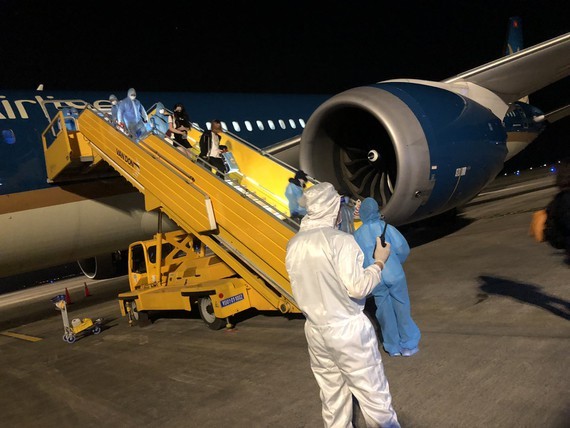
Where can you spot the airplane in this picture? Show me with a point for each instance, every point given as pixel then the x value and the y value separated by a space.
pixel 419 147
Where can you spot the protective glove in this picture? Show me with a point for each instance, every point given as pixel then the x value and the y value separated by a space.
pixel 381 253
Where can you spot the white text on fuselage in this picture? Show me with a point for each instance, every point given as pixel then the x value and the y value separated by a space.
pixel 18 109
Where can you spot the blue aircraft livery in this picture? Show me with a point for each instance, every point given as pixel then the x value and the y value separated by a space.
pixel 419 147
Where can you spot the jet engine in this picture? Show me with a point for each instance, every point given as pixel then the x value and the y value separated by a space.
pixel 102 266
pixel 419 150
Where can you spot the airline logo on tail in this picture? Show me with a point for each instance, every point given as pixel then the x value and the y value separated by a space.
pixel 514 36
pixel 515 41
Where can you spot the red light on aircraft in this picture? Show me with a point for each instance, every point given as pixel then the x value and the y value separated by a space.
pixel 221 295
pixel 516 24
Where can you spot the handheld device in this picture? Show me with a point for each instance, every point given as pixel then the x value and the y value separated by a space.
pixel 383 235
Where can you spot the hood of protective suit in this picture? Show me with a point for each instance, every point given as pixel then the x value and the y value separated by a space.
pixel 160 118
pixel 132 92
pixel 322 202
pixel 369 210
pixel 160 110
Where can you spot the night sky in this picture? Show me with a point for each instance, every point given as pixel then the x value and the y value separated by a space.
pixel 271 46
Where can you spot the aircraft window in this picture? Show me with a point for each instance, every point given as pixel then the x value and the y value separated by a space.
pixel 8 136
pixel 271 124
pixel 292 124
pixel 236 126
pixel 224 127
pixel 282 124
pixel 248 125
pixel 302 123
pixel 260 125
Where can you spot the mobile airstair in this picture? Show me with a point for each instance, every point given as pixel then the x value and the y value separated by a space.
pixel 230 252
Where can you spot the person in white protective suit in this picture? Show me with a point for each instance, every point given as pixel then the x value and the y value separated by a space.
pixel 330 286
pixel 132 115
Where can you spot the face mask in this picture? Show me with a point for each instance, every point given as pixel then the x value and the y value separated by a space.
pixel 132 97
pixel 114 103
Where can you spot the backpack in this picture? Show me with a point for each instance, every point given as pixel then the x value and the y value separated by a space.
pixel 553 227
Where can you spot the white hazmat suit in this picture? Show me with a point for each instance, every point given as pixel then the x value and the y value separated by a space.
pixel 329 285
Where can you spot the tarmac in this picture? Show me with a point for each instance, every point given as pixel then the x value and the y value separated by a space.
pixel 492 304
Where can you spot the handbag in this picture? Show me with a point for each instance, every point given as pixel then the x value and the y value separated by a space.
pixel 536 229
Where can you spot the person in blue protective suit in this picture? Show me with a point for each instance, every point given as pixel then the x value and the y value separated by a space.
pixel 400 333
pixel 132 115
pixel 70 115
pixel 330 284
pixel 159 119
pixel 293 193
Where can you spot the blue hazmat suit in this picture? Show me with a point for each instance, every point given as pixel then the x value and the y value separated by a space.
pixel 328 282
pixel 132 114
pixel 70 114
pixel 294 192
pixel 159 119
pixel 399 331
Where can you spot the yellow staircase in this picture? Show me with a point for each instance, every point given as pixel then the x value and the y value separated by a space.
pixel 242 218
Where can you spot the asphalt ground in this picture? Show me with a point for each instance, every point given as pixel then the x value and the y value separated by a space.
pixel 493 307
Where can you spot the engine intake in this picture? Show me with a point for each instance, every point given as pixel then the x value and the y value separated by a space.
pixel 419 150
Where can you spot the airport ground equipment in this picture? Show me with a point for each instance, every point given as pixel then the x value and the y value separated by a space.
pixel 77 326
pixel 229 255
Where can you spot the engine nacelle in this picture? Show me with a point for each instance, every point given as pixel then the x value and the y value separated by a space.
pixel 102 266
pixel 419 150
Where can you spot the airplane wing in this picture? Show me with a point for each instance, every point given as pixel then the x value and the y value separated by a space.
pixel 557 114
pixel 515 76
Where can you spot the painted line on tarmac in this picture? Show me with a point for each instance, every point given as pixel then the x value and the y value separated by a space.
pixel 21 336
